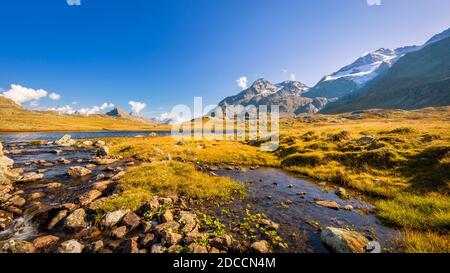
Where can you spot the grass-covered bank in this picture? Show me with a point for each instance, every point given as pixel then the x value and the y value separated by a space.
pixel 166 178
pixel 400 159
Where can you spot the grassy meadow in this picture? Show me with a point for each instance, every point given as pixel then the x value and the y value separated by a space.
pixel 405 171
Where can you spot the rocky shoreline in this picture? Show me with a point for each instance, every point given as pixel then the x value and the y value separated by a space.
pixel 64 216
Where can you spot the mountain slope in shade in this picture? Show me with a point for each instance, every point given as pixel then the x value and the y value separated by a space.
pixel 365 69
pixel 118 113
pixel 419 79
pixel 287 95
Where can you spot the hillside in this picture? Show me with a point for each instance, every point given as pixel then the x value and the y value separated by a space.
pixel 419 79
pixel 14 118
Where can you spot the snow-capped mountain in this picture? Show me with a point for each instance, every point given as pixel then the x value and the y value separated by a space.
pixel 366 68
pixel 287 95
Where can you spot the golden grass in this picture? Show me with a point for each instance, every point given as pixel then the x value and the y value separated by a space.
pixel 167 178
pixel 20 120
pixel 407 170
pixel 214 152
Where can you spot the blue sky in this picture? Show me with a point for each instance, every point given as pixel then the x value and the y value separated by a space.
pixel 165 52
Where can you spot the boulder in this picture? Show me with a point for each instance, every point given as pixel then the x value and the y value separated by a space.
pixel 102 151
pixel 78 171
pixel 5 163
pixel 103 185
pixel 76 219
pixel 89 196
pixel 341 192
pixel 112 218
pixel 188 221
pixel 45 241
pixel 260 247
pixel 97 203
pixel 65 141
pixel 344 241
pixel 171 238
pixel 172 226
pixel 71 246
pixel 57 218
pixel 87 143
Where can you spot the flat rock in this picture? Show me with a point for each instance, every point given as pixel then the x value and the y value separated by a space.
pixel 328 204
pixel 71 246
pixel 344 241
pixel 89 196
pixel 78 171
pixel 45 241
pixel 112 218
pixel 76 219
pixel 31 177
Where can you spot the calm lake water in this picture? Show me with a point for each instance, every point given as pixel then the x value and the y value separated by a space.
pixel 24 136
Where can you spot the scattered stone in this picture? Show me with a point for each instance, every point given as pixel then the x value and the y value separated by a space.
pixel 17 246
pixel 56 152
pixel 112 218
pixel 45 241
pixel 57 218
pixel 188 221
pixel 97 245
pixel 193 236
pixel 167 216
pixel 302 193
pixel 328 204
pixel 158 248
pixel 148 239
pixel 76 219
pixel 341 192
pixel 222 242
pixel 131 220
pixel 181 143
pixel 119 232
pixel 6 218
pixel 171 238
pixel 103 161
pixel 53 186
pixel 100 143
pixel 271 225
pixel 368 139
pixel 290 186
pixel 90 166
pixel 71 246
pixel 77 172
pixel 31 177
pixel 196 248
pixel 101 186
pixel 373 247
pixel 118 176
pixel 131 246
pixel 89 196
pixel 348 207
pixel 344 241
pixel 261 247
pixel 87 143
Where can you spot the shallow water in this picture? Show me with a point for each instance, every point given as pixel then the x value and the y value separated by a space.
pixel 294 218
pixel 50 136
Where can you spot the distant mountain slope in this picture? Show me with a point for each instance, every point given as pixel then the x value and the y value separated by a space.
pixel 118 113
pixel 355 76
pixel 288 95
pixel 14 118
pixel 6 103
pixel 419 79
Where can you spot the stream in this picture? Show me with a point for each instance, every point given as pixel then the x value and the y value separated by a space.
pixel 286 199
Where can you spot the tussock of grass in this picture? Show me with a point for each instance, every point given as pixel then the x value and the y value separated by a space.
pixel 167 178
pixel 426 242
pixel 416 212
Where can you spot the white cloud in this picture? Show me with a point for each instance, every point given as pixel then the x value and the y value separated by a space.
pixel 54 96
pixel 21 94
pixel 170 118
pixel 136 106
pixel 67 109
pixel 374 2
pixel 292 77
pixel 242 82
